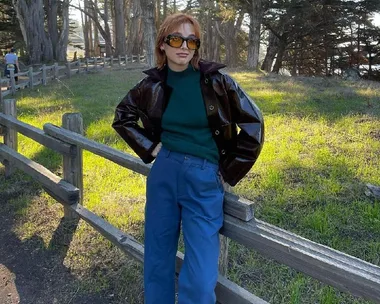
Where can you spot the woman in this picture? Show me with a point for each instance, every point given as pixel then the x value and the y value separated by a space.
pixel 190 113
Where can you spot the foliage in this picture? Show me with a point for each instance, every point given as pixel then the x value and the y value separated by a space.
pixel 10 34
pixel 323 38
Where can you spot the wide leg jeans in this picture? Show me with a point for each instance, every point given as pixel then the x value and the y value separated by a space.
pixel 187 190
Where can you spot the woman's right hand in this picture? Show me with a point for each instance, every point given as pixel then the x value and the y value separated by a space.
pixel 156 150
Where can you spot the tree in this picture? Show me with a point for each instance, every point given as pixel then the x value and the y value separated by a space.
pixel 135 30
pixel 94 12
pixel 31 17
pixel 232 19
pixel 255 17
pixel 148 13
pixel 63 32
pixel 119 27
pixel 10 34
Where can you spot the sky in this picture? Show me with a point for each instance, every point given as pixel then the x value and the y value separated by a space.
pixel 376 19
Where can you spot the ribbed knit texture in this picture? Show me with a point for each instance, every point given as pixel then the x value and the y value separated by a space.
pixel 184 123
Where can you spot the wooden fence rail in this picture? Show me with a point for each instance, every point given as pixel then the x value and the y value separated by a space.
pixel 335 268
pixel 47 73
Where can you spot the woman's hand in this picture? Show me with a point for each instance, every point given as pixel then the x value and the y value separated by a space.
pixel 156 150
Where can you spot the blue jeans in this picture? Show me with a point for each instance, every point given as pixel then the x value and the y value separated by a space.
pixel 183 188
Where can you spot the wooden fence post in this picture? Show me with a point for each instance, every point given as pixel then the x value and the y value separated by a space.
pixel 126 59
pixel 111 61
pixel 68 65
pixel 224 241
pixel 138 58
pixel 95 63
pixel 87 64
pixel 10 138
pixel 223 251
pixel 73 165
pixel 30 75
pixel 12 81
pixel 119 60
pixel 44 80
pixel 1 95
pixel 104 62
pixel 56 70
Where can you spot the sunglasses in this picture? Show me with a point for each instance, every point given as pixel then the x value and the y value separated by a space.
pixel 176 41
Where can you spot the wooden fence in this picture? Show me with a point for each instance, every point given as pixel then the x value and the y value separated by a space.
pixel 44 74
pixel 330 266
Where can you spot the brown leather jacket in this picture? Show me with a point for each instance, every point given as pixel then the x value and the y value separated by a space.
pixel 227 106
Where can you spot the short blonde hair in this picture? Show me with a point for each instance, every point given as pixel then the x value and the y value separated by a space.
pixel 167 27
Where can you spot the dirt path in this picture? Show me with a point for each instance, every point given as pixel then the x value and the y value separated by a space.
pixel 30 273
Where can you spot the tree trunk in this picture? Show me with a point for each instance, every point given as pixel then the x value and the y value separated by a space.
pixel 90 36
pixel 119 27
pixel 280 55
pixel 52 17
pixel 85 27
pixel 93 13
pixel 107 37
pixel 231 29
pixel 96 33
pixel 61 49
pixel 149 30
pixel 134 40
pixel 205 21
pixel 272 50
pixel 30 15
pixel 254 35
pixel 113 22
pixel 165 9
pixel 158 14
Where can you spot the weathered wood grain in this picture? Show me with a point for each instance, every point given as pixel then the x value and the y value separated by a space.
pixel 10 138
pixel 105 151
pixel 5 93
pixel 335 268
pixel 73 164
pixel 233 205
pixel 36 134
pixel 21 74
pixel 22 85
pixel 66 192
pixel 227 292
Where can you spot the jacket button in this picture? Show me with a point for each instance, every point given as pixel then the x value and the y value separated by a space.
pixel 211 107
pixel 223 152
pixel 206 81
pixel 217 132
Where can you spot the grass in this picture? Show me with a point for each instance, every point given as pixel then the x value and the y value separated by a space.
pixel 322 146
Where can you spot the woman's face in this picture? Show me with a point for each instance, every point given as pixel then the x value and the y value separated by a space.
pixel 178 58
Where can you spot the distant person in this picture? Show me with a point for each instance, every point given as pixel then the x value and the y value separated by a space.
pixel 190 115
pixel 11 58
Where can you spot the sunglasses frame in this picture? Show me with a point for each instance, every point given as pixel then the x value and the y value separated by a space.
pixel 197 41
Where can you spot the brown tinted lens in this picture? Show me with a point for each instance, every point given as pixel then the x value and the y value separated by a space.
pixel 175 41
pixel 192 44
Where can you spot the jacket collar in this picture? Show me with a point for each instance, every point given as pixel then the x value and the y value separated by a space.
pixel 206 67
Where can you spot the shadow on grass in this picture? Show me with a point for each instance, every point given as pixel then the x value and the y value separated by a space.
pixel 36 272
pixel 50 258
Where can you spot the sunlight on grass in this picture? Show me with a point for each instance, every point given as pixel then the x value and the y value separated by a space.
pixel 322 146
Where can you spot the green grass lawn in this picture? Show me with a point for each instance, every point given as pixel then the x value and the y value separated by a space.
pixel 322 146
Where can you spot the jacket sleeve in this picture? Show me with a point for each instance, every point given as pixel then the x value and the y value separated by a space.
pixel 126 125
pixel 247 116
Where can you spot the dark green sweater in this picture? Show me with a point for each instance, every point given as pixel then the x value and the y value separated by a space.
pixel 184 123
